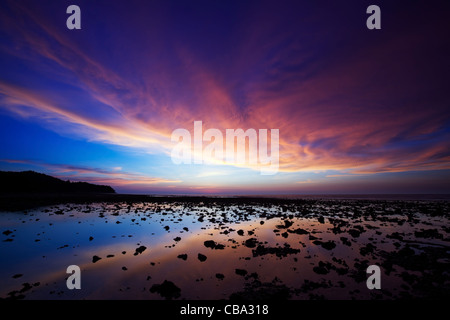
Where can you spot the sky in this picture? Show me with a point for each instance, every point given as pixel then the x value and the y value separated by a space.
pixel 357 110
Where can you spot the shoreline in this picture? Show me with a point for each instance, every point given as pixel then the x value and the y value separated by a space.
pixel 26 201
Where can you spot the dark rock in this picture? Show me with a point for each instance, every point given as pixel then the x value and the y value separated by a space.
pixel 241 272
pixel 95 259
pixel 367 249
pixel 201 257
pixel 354 233
pixel 210 244
pixel 7 232
pixel 183 256
pixel 220 276
pixel 278 251
pixel 140 250
pixel 250 243
pixel 167 290
pixel 299 231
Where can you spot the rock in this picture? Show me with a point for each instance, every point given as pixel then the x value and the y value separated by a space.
pixel 140 250
pixel 354 233
pixel 321 219
pixel 124 268
pixel 91 238
pixel 220 276
pixel 7 232
pixel 430 233
pixel 299 231
pixel 367 249
pixel 240 232
pixel 95 259
pixel 210 244
pixel 201 257
pixel 241 272
pixel 177 239
pixel 18 275
pixel 167 290
pixel 183 256
pixel 278 251
pixel 345 241
pixel 329 245
pixel 250 243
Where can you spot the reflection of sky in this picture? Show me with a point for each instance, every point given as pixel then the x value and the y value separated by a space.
pixel 46 261
pixel 359 111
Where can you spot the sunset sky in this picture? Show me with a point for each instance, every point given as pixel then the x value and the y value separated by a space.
pixel 358 110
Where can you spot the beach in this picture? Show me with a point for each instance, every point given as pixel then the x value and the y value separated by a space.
pixel 200 248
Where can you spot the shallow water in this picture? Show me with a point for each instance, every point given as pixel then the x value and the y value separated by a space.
pixel 268 250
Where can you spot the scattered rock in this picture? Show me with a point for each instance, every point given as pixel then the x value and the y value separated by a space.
pixel 140 250
pixel 167 290
pixel 182 256
pixel 220 276
pixel 201 257
pixel 241 272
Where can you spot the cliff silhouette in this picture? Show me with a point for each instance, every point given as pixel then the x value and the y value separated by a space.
pixel 35 182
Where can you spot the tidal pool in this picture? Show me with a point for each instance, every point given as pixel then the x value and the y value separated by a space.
pixel 180 250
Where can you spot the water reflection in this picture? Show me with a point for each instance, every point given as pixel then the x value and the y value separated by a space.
pixel 245 251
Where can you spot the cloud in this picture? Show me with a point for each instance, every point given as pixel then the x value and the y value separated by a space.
pixel 360 108
pixel 94 175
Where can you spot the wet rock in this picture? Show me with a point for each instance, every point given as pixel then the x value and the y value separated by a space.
pixel 258 290
pixel 395 235
pixel 322 268
pixel 210 244
pixel 278 251
pixel 91 238
pixel 18 275
pixel 177 239
pixel 251 243
pixel 7 232
pixel 287 224
pixel 240 232
pixel 201 257
pixel 429 234
pixel 220 276
pixel 329 245
pixel 167 290
pixel 354 233
pixel 241 272
pixel 345 241
pixel 95 259
pixel 140 250
pixel 321 219
pixel 367 249
pixel 182 256
pixel 299 231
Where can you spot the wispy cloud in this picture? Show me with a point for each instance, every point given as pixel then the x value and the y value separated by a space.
pixel 94 175
pixel 334 108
